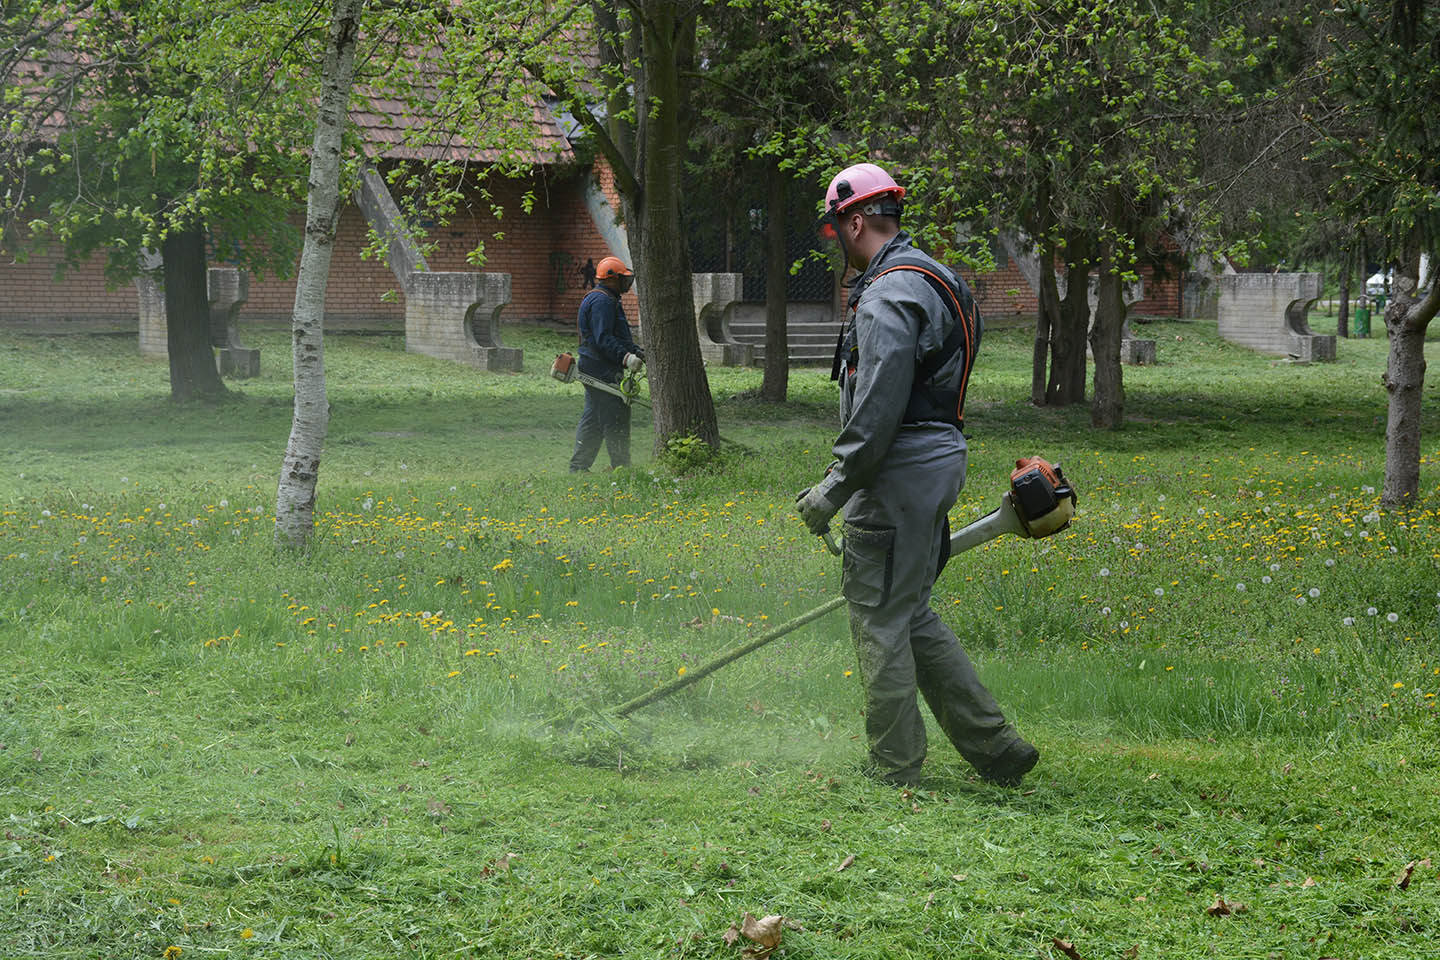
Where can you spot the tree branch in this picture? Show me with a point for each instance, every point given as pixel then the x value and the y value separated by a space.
pixel 625 177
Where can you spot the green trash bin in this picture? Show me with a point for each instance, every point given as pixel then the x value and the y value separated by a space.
pixel 1360 329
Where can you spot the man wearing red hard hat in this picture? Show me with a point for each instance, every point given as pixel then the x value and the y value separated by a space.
pixel 903 364
pixel 607 350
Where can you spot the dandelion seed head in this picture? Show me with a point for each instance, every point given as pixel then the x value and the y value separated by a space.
pixel 1314 591
pixel 1371 611
pixel 1392 617
pixel 1240 587
pixel 1265 579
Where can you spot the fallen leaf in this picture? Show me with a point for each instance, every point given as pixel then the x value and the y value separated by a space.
pixel 1219 908
pixel 1066 947
pixel 420 763
pixel 960 877
pixel 824 826
pixel 1309 882
pixel 349 739
pixel 697 623
pixel 845 864
pixel 438 808
pixel 1132 953
pixel 765 933
pixel 504 862
pixel 1403 881
pixel 731 935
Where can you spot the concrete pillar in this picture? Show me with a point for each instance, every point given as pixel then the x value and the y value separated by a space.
pixel 456 316
pixel 153 332
pixel 714 293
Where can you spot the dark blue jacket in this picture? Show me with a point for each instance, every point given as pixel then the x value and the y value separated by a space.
pixel 604 335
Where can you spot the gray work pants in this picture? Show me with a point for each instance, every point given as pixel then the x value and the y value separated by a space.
pixel 893 531
pixel 605 417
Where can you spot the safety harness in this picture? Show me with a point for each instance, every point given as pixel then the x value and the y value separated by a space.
pixel 928 402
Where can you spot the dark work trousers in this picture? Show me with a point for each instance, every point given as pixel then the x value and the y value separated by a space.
pixel 892 546
pixel 605 417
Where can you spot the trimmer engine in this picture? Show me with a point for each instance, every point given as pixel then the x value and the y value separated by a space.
pixel 564 368
pixel 1043 500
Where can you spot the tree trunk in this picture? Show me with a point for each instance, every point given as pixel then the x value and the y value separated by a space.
pixel 679 388
pixel 193 375
pixel 777 272
pixel 1074 321
pixel 1046 321
pixel 1108 408
pixel 1406 320
pixel 1342 320
pixel 295 496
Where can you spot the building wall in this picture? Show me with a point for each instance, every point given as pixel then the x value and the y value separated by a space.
pixel 543 251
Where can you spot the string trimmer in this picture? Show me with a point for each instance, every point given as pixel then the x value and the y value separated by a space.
pixel 566 370
pixel 1039 503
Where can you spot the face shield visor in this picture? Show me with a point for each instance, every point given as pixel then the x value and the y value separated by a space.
pixel 624 281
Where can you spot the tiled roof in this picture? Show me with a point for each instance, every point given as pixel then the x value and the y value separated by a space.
pixel 388 129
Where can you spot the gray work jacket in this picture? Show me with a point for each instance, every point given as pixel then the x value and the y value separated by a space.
pixel 895 321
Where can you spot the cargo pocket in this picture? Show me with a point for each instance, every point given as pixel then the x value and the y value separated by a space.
pixel 869 564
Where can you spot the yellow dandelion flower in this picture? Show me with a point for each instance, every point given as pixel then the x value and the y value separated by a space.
pixel 680 672
pixel 453 673
pixel 849 673
pixel 1397 685
pixel 171 952
pixel 246 934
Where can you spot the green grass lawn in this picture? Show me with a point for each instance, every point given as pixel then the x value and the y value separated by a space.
pixel 397 744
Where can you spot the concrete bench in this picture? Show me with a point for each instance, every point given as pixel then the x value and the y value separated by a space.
pixel 1266 312
pixel 456 316
pixel 227 289
pixel 714 294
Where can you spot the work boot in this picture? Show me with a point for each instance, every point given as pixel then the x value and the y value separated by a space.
pixel 1011 766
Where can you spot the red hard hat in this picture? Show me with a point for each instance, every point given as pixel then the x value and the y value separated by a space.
pixel 858 183
pixel 612 267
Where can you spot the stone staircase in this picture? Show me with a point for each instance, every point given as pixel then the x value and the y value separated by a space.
pixel 811 335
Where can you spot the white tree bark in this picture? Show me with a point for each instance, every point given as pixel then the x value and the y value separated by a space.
pixel 295 496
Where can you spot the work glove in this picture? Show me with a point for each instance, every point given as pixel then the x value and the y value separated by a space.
pixel 633 362
pixel 815 510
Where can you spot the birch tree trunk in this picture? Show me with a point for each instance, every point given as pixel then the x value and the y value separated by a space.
pixel 295 496
pixel 1406 320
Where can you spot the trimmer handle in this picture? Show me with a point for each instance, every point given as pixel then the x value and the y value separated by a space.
pixel 830 543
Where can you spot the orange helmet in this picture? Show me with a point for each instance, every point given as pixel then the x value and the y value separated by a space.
pixel 612 267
